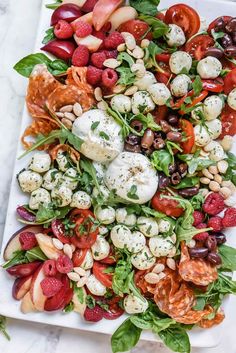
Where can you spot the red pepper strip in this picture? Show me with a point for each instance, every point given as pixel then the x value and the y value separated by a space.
pixel 195 101
pixel 212 86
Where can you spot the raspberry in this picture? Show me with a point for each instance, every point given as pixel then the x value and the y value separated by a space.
pixel 80 56
pixel 215 223
pixel 98 59
pixel 111 54
pixel 88 6
pixel 113 40
pixel 63 30
pixel 83 29
pixel 109 78
pixel 50 286
pixel 95 314
pixel 213 204
pixel 99 34
pixel 49 268
pixel 27 240
pixel 94 75
pixel 201 236
pixel 229 219
pixel 64 264
pixel 198 218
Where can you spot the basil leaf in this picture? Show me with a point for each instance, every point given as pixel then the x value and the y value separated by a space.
pixel 49 35
pixel 140 322
pixel 57 67
pixel 176 338
pixel 187 182
pixel 35 254
pixel 17 259
pixel 25 66
pixel 125 337
pixel 159 28
pixel 148 7
pixel 69 308
pixel 3 321
pixel 161 160
pixel 197 86
pixel 228 256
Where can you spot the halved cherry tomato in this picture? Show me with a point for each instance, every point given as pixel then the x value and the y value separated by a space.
pixel 230 81
pixel 58 229
pixel 195 101
pixel 160 113
pixel 216 85
pixel 115 310
pixel 228 120
pixel 212 25
pixel 168 206
pixel 84 237
pixel 187 128
pixel 81 213
pixel 138 28
pixel 104 278
pixel 164 57
pixel 198 46
pixel 185 17
pixel 79 256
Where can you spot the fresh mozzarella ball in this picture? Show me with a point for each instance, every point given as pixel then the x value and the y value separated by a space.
pixel 159 93
pixel 39 197
pixel 202 138
pixel 121 103
pixel 81 199
pixel 146 81
pixel 103 191
pixel 209 67
pixel 134 305
pixel 214 127
pixel 130 220
pixel 133 177
pixel 160 246
pixel 40 162
pixel 217 153
pixel 100 249
pixel 106 215
pixel 143 260
pixel 62 161
pixel 29 181
pixel 148 226
pixel 179 61
pixel 121 214
pixel 120 236
pixel 88 261
pixel 164 226
pixel 175 36
pixel 195 114
pixel 102 143
pixel 209 147
pixel 136 242
pixel 51 179
pixel 232 99
pixel 180 85
pixel 62 196
pixel 142 102
pixel 95 286
pixel 212 107
pixel 100 169
pixel 70 179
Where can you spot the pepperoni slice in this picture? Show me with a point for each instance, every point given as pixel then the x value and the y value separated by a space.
pixel 206 323
pixel 194 316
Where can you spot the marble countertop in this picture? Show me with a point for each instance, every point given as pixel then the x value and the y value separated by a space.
pixel 18 24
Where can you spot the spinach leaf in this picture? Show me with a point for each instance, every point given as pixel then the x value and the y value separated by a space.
pixel 57 67
pixel 176 338
pixel 49 35
pixel 17 259
pixel 125 337
pixel 161 160
pixel 87 166
pixel 187 182
pixel 3 321
pixel 148 7
pixel 35 254
pixel 228 256
pixel 159 28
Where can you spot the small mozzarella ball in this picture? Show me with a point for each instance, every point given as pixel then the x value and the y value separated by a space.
pixel 214 127
pixel 180 85
pixel 196 113
pixel 134 305
pixel 121 103
pixel 209 67
pixel 95 286
pixel 62 196
pixel 51 179
pixel 209 147
pixel 202 138
pixel 70 179
pixel 159 93
pixel 29 181
pixel 120 236
pixel 136 242
pixel 217 153
pixel 130 220
pixel 81 199
pixel 106 215
pixel 39 197
pixel 40 162
pixel 121 214
pixel 103 230
pixel 212 107
pixel 88 261
pixel 232 99
pixel 142 102
pixel 146 81
pixel 179 61
pixel 62 161
pixel 175 36
pixel 100 249
pixel 160 246
pixel 148 226
pixel 143 260
pixel 104 191
pixel 164 226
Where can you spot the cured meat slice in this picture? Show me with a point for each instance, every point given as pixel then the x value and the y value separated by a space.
pixel 205 323
pixel 38 126
pixel 74 155
pixel 194 316
pixel 77 76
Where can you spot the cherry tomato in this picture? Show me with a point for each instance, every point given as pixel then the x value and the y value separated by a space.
pixel 230 81
pixel 185 17
pixel 104 278
pixel 160 113
pixel 164 57
pixel 110 259
pixel 198 45
pixel 228 120
pixel 160 16
pixel 115 310
pixel 216 85
pixel 138 28
pixel 79 256
pixel 58 229
pixel 84 237
pixel 195 101
pixel 168 206
pixel 212 25
pixel 187 128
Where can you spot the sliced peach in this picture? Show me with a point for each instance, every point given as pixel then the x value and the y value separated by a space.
pixel 61 298
pixel 37 296
pixel 122 15
pixel 20 287
pixel 103 10
pixel 27 305
pixel 88 18
pixel 78 306
pixel 91 42
pixel 47 247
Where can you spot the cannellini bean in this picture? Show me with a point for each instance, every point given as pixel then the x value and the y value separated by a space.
pixel 57 243
pixel 67 108
pixel 207 174
pixel 171 263
pixel 73 276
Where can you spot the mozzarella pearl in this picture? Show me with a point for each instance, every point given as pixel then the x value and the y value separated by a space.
pixel 180 85
pixel 130 220
pixel 121 103
pixel 100 249
pixel 62 196
pixel 160 246
pixel 103 191
pixel 148 226
pixel 134 305
pixel 232 99
pixel 212 107
pixel 39 197
pixel 143 260
pixel 146 81
pixel 120 236
pixel 215 128
pixel 106 215
pixel 81 199
pixel 51 179
pixel 175 36
pixel 209 67
pixel 62 161
pixel 29 181
pixel 137 242
pixel 202 138
pixel 103 230
pixel 142 103
pixel 159 93
pixel 217 153
pixel 88 261
pixel 70 179
pixel 179 61
pixel 164 226
pixel 40 162
pixel 95 286
pixel 121 214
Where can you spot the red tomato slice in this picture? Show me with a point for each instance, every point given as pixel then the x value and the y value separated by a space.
pixel 187 128
pixel 164 57
pixel 104 278
pixel 211 26
pixel 185 17
pixel 198 45
pixel 216 85
pixel 228 120
pixel 162 78
pixel 115 310
pixel 160 16
pixel 138 28
pixel 230 81
pixel 169 207
pixel 84 237
pixel 79 256
pixel 58 229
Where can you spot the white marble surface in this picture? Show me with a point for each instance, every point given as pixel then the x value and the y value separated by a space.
pixel 18 24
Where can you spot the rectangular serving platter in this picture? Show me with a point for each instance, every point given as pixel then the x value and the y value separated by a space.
pixel 208 9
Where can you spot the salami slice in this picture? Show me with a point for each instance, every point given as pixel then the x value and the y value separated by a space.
pixel 74 155
pixel 205 323
pixel 194 316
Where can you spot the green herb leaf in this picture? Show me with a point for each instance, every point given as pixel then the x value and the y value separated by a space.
pixel 132 193
pixel 176 338
pixel 80 294
pixel 95 125
pixel 197 86
pixel 159 28
pixel 194 162
pixel 123 56
pixel 17 259
pixel 187 182
pixel 87 166
pixel 127 77
pixel 228 256
pixel 148 7
pixel 57 67
pixel 161 160
pixel 125 337
pixel 69 308
pixel 90 302
pixel 151 212
pixel 49 35
pixel 35 254
pixel 3 321
pixel 25 66
pixel 200 304
pixel 103 135
pixel 54 5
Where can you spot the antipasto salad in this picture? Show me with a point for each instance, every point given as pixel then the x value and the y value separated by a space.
pixel 131 182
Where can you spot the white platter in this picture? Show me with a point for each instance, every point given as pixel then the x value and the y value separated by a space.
pixel 209 9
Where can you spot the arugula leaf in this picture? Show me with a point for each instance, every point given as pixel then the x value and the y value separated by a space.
pixel 35 254
pixel 54 5
pixel 187 182
pixel 88 167
pixel 194 162
pixel 127 77
pixel 126 128
pixel 150 55
pixel 147 121
pixel 151 212
pixel 159 28
pixel 49 35
pixel 148 7
pixel 228 256
pixel 197 86
pixel 197 201
pixel 3 321
pixel 125 337
pixel 176 338
pixel 161 160
pixel 17 259
pixel 123 56
pixel 132 193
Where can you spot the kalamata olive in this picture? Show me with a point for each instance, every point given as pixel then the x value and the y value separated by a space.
pixel 231 26
pixel 198 252
pixel 25 214
pixel 211 243
pixel 158 143
pixel 147 151
pixel 132 148
pixel 172 168
pixel 220 25
pixel 220 237
pixel 233 36
pixel 132 139
pixel 172 119
pixel 214 258
pixel 147 139
pixel 62 49
pixel 226 40
pixel 230 51
pixel 136 125
pixel 165 126
pixel 174 136
pixel 68 12
pixel 189 192
pixel 216 52
pixel 182 169
pixel 175 178
pixel 164 181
